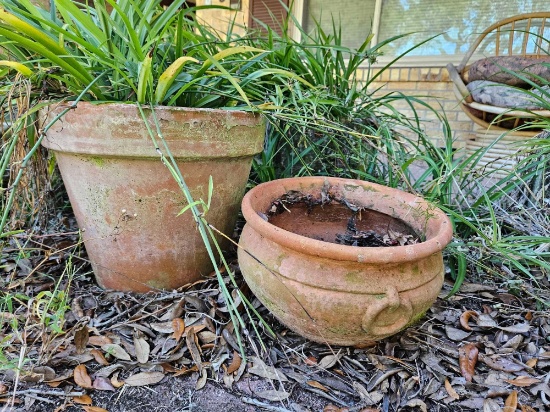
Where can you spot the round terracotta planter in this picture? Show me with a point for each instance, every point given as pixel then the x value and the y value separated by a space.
pixel 338 294
pixel 125 200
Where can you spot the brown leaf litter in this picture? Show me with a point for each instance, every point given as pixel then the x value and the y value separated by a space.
pixel 486 348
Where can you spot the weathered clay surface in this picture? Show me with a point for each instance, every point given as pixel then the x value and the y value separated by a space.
pixel 342 294
pixel 125 200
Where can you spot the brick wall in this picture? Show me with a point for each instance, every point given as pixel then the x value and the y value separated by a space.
pixel 433 86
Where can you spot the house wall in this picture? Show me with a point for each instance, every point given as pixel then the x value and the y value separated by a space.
pixel 431 84
pixel 219 19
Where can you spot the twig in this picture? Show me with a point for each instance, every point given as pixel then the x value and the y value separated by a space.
pixel 41 392
pixel 324 395
pixel 264 405
pixel 39 398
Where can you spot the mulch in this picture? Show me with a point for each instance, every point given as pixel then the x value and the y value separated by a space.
pixel 485 348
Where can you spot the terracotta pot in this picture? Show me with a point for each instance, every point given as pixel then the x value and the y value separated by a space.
pixel 126 201
pixel 333 293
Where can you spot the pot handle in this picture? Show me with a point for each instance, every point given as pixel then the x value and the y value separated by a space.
pixel 387 315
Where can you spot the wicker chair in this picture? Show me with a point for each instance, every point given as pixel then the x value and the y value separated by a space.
pixel 525 35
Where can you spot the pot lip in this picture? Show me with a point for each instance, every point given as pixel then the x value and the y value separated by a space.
pixel 124 105
pixel 302 244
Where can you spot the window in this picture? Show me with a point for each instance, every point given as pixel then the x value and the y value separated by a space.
pixel 355 18
pixel 269 12
pixel 458 22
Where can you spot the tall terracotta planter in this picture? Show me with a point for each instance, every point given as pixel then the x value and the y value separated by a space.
pixel 333 293
pixel 125 199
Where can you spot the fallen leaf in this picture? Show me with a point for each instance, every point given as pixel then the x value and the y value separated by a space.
pixel 532 362
pixel 526 408
pixel 334 408
pixel 417 402
pixel 467 359
pixel 186 371
pixel 178 325
pixel 310 360
pixel 486 321
pixel 511 403
pixel 273 395
pixel 465 317
pixel 82 400
pixel 81 377
pixel 315 384
pixel 40 374
pixel 235 363
pixel 518 328
pixel 529 315
pixel 450 390
pixel 201 381
pixel 490 405
pixel 259 368
pixel 103 384
pixel 144 378
pixel 115 382
pixel 455 334
pixel 194 350
pixel 99 358
pixel 99 340
pixel 94 409
pixel 329 361
pixel 142 349
pixel 501 363
pixel 116 351
pixel 81 337
pixel 207 337
pixel 163 327
pixel 522 381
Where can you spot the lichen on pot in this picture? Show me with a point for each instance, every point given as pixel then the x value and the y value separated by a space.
pixel 127 203
pixel 337 293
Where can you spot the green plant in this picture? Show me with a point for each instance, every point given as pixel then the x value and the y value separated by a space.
pixel 125 51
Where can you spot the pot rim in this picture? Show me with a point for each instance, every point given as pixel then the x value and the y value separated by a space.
pixel 393 254
pixel 237 111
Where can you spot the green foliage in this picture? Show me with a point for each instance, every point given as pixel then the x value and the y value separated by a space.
pixel 141 51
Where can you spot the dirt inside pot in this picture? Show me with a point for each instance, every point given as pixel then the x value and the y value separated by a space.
pixel 338 222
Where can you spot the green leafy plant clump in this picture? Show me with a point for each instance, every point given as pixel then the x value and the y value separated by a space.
pixel 140 51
